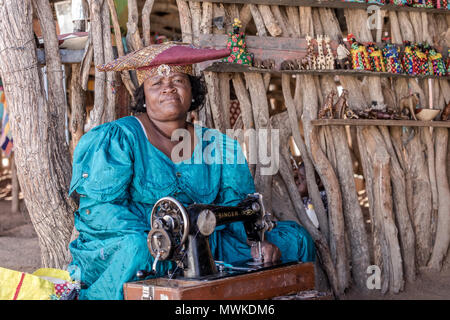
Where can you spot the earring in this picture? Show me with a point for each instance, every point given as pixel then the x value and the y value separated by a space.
pixel 144 105
pixel 193 100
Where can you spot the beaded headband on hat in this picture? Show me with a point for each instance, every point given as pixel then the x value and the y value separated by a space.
pixel 162 70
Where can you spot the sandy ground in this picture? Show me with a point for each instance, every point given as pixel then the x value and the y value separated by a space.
pixel 19 247
pixel 19 250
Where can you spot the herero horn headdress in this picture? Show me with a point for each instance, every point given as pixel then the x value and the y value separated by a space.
pixel 163 59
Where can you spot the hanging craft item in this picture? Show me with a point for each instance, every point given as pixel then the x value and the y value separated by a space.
pixel 376 57
pixel 423 3
pixel 441 4
pixel 422 55
pixel 236 43
pixel 391 57
pixel 360 57
pixel 410 59
pixel 6 140
pixel 235 111
pixel 448 61
pixel 378 2
pixel 343 55
pixel 436 63
pixel 401 2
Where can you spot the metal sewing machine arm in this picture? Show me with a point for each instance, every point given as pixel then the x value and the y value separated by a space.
pixel 181 234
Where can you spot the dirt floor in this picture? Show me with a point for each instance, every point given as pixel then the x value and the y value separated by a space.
pixel 19 250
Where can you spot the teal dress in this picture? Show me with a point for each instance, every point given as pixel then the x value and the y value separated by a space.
pixel 120 175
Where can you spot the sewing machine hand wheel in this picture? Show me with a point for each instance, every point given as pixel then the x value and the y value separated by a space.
pixel 170 227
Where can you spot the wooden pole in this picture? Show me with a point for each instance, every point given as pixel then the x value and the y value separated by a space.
pixel 78 103
pixel 110 77
pixel 133 37
pixel 442 241
pixel 126 79
pixel 14 186
pixel 96 114
pixel 185 21
pixel 43 159
pixel 146 11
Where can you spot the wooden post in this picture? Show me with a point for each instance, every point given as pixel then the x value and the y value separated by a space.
pixel 146 11
pixel 78 103
pixel 43 159
pixel 95 116
pixel 320 241
pixel 14 185
pixel 126 79
pixel 110 77
pixel 185 21
pixel 133 38
pixel 260 109
pixel 383 214
pixel 442 242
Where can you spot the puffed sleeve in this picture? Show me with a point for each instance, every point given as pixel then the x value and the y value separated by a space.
pixel 102 163
pixel 112 242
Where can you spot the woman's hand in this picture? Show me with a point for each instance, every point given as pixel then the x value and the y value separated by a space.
pixel 270 252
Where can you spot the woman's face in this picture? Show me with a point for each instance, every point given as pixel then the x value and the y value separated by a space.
pixel 168 98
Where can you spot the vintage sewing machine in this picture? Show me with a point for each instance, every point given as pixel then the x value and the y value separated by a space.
pixel 181 235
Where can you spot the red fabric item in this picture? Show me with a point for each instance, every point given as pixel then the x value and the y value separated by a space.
pixel 185 55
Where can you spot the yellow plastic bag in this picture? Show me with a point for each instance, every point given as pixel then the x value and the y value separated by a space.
pixel 40 285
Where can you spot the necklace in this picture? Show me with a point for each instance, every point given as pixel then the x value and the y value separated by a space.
pixel 162 132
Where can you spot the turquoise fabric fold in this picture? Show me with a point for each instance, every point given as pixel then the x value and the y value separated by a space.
pixel 120 175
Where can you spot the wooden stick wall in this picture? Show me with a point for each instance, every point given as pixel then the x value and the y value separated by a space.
pixel 406 181
pixel 405 169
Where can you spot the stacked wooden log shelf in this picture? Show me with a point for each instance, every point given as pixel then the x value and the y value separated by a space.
pixel 231 67
pixel 403 162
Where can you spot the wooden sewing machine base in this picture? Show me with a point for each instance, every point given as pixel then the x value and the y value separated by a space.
pixel 257 285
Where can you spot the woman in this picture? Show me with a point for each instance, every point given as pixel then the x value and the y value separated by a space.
pixel 122 168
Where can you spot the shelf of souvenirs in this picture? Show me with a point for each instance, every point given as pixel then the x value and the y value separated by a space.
pixel 430 6
pixel 379 122
pixel 234 67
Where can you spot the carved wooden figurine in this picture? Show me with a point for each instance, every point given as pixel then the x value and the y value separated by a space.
pixel 329 58
pixel 320 60
pixel 310 57
pixel 349 114
pixel 264 64
pixel 289 65
pixel 446 113
pixel 327 109
pixel 268 64
pixel 341 105
pixel 409 103
pixel 343 56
